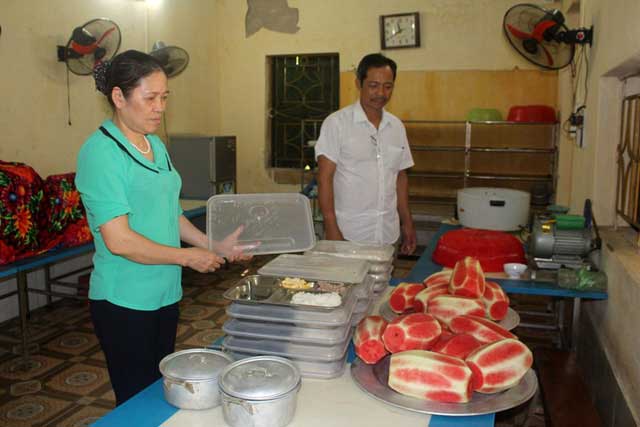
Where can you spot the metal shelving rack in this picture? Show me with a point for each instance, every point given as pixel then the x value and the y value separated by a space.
pixel 468 175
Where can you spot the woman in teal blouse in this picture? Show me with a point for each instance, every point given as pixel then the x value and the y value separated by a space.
pixel 131 191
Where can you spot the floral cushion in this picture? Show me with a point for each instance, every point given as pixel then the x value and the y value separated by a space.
pixel 21 196
pixel 67 222
pixel 36 216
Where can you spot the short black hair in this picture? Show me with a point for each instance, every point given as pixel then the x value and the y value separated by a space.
pixel 125 71
pixel 374 60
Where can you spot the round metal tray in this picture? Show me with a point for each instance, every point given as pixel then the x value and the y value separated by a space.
pixel 373 380
pixel 511 320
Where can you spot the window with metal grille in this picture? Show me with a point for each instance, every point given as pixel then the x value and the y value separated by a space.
pixel 628 182
pixel 304 91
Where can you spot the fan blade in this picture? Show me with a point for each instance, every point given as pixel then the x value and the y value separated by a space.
pixel 517 33
pixel 538 31
pixel 106 33
pixel 82 49
pixel 90 48
pixel 549 57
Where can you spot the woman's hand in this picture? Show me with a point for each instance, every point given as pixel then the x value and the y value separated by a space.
pixel 202 260
pixel 230 249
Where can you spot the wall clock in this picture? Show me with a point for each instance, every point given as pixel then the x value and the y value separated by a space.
pixel 400 30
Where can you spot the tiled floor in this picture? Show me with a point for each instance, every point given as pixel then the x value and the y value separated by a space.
pixel 65 382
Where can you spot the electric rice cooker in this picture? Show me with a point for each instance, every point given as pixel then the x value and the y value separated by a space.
pixel 491 208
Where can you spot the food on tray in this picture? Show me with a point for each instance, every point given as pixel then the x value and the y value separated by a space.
pixel 322 299
pixel 421 300
pixel 432 376
pixel 495 300
pixel 499 365
pixel 448 347
pixel 330 287
pixel 456 345
pixel 367 339
pixel 467 279
pixel 417 331
pixel 439 278
pixel 446 307
pixel 295 283
pixel 402 297
pixel 484 330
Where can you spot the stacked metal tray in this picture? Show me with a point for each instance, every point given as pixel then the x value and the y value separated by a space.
pixel 379 257
pixel 264 318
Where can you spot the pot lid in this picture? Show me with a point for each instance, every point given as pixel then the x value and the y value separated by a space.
pixel 259 378
pixel 196 364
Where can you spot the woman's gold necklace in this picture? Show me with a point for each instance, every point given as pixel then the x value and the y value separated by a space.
pixel 148 146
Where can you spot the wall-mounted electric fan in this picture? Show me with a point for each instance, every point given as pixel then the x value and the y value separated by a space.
pixel 174 59
pixel 541 37
pixel 96 41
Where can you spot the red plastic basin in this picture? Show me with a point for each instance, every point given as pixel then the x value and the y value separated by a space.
pixel 532 113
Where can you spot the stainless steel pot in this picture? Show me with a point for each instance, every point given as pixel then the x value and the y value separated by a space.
pixel 191 377
pixel 259 392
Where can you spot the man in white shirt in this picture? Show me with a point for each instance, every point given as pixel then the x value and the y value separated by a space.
pixel 362 155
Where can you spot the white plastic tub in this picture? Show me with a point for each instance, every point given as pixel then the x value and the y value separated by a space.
pixel 490 208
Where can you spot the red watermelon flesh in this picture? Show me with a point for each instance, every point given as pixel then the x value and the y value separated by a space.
pixel 422 298
pixel 499 365
pixel 467 279
pixel 484 330
pixel 430 376
pixel 402 297
pixel 439 278
pixel 496 301
pixel 367 339
pixel 459 345
pixel 446 307
pixel 417 331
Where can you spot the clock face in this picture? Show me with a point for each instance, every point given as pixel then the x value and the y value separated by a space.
pixel 398 31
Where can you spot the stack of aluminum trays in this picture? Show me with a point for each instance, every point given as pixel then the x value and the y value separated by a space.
pixel 379 257
pixel 263 321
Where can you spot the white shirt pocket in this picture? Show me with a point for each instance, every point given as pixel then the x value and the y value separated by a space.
pixel 393 157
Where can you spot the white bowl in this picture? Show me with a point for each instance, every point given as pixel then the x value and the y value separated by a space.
pixel 514 269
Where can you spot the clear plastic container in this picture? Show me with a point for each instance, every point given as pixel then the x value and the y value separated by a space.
pixel 362 310
pixel 365 289
pixel 285 332
pixel 380 267
pixel 380 287
pixel 317 267
pixel 297 316
pixel 308 369
pixel 378 255
pixel 308 352
pixel 385 276
pixel 273 222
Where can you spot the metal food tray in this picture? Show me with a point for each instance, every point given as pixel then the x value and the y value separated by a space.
pixel 308 352
pixel 285 332
pixel 297 315
pixel 373 380
pixel 258 289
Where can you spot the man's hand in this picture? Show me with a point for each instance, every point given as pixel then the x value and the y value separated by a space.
pixel 408 239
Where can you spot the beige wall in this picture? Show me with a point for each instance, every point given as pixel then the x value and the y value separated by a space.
pixel 456 35
pixel 616 40
pixel 593 173
pixel 224 90
pixel 33 111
